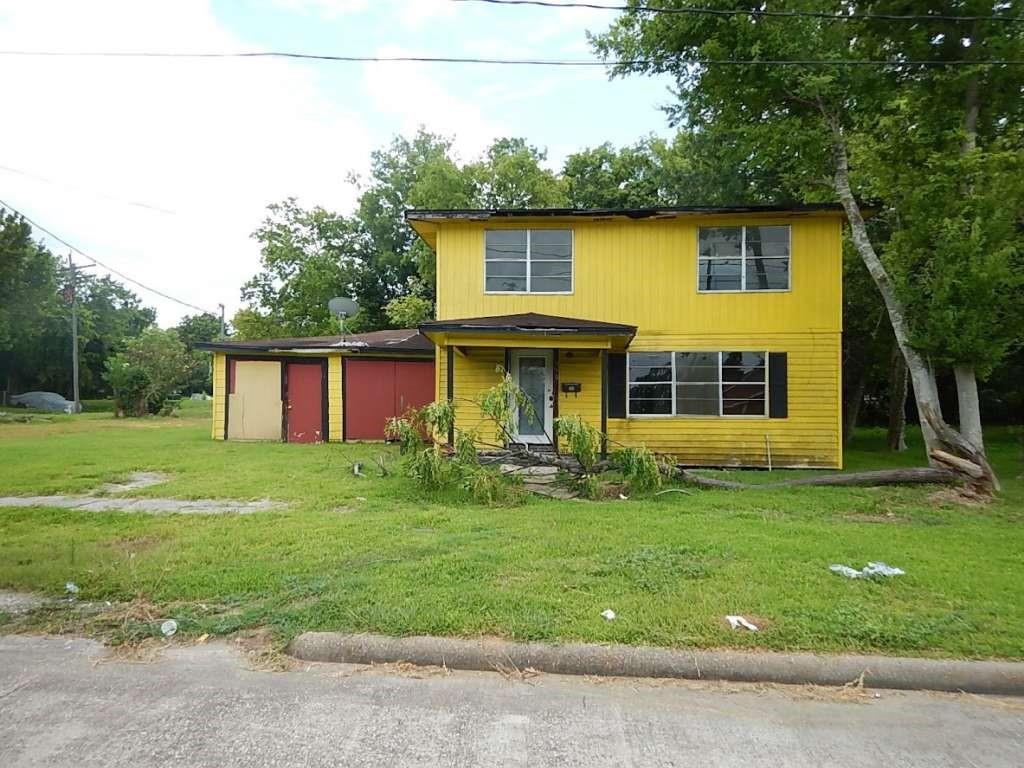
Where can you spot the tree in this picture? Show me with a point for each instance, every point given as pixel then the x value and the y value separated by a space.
pixel 510 176
pixel 191 329
pixel 810 121
pixel 152 367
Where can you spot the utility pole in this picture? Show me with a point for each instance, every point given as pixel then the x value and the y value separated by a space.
pixel 71 295
pixel 223 325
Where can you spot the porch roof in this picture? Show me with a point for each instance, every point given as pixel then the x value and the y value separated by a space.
pixel 513 330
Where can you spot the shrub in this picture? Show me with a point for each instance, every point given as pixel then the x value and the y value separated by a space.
pixel 583 439
pixel 152 366
pixel 639 467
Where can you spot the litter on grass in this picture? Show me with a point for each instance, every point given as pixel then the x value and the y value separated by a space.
pixel 738 621
pixel 71 588
pixel 608 614
pixel 169 627
pixel 869 571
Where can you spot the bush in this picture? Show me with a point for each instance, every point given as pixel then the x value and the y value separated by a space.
pixel 152 367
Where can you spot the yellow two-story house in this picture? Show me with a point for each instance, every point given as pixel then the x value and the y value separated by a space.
pixel 712 334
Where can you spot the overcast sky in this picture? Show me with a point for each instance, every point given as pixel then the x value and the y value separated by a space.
pixel 163 168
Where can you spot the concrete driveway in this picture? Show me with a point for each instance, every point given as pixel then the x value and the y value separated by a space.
pixel 203 706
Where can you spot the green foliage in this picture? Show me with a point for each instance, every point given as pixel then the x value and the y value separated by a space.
pixel 408 311
pixel 191 330
pixel 502 402
pixel 639 467
pixel 151 368
pixel 405 432
pixel 582 438
pixel 660 569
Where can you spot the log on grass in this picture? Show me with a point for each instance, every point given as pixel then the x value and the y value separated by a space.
pixel 911 476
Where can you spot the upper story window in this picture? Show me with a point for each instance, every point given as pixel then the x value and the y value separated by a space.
pixel 743 258
pixel 528 261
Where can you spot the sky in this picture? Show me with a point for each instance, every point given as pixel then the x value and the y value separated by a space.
pixel 161 169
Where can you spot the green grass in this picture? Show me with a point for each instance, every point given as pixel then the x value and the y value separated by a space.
pixel 377 555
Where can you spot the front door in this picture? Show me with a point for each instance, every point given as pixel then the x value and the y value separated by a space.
pixel 304 406
pixel 531 372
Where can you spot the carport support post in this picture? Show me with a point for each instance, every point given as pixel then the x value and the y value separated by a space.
pixel 450 363
pixel 604 404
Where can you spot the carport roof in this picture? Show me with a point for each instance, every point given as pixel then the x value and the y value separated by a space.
pixel 407 341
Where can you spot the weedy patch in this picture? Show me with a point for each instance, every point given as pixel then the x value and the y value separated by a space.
pixel 654 569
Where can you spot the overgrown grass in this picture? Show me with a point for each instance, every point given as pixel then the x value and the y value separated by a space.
pixel 372 554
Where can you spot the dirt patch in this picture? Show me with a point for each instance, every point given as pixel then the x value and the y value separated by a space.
pixel 261 653
pixel 868 517
pixel 397 669
pixel 961 497
pixel 135 481
pixel 145 651
pixel 134 545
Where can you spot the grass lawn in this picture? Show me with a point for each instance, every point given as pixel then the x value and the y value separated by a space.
pixel 375 554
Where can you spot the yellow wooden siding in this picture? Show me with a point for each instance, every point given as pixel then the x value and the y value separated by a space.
pixel 335 404
pixel 219 381
pixel 809 436
pixel 582 368
pixel 644 273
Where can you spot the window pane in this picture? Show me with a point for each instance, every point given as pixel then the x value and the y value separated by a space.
pixel 697 399
pixel 507 284
pixel 651 366
pixel 767 274
pixel 743 366
pixel 743 399
pixel 550 284
pixel 551 269
pixel 506 269
pixel 650 399
pixel 551 244
pixel 719 275
pixel 720 242
pixel 767 241
pixel 697 366
pixel 506 243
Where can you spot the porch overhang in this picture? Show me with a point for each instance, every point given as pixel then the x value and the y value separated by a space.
pixel 528 331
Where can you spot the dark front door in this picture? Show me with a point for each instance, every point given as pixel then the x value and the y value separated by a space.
pixel 304 406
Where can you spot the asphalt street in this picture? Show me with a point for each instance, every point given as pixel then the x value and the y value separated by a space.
pixel 65 702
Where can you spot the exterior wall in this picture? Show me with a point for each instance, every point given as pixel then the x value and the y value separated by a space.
pixel 582 367
pixel 644 273
pixel 335 402
pixel 219 390
pixel 254 409
pixel 474 373
pixel 810 436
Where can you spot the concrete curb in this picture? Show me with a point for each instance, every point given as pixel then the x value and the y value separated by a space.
pixel 993 677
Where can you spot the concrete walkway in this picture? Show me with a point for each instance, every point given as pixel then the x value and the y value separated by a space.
pixel 201 706
pixel 92 503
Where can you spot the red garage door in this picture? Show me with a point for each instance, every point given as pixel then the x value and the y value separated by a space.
pixel 376 390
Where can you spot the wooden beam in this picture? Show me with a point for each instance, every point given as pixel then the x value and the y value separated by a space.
pixel 450 360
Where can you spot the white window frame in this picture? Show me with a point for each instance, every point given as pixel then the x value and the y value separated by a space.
pixel 743 261
pixel 721 404
pixel 529 262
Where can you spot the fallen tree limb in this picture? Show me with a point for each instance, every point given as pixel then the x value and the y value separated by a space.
pixel 912 476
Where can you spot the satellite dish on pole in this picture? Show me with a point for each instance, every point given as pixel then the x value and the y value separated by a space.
pixel 341 308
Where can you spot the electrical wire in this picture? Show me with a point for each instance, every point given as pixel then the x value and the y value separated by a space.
pixel 529 62
pixel 99 263
pixel 753 12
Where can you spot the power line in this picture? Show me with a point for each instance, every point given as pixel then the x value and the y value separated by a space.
pixel 99 263
pixel 45 180
pixel 698 11
pixel 529 62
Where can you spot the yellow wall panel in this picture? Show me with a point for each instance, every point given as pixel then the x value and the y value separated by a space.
pixel 335 404
pixel 219 385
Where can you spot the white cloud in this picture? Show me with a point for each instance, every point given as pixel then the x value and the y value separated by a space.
pixel 213 141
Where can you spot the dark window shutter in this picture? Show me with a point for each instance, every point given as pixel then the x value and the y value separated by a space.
pixel 616 386
pixel 778 394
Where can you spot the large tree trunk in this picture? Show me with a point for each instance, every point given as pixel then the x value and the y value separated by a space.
pixel 967 402
pixel 897 437
pixel 938 436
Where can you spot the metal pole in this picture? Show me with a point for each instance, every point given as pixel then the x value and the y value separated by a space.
pixel 74 333
pixel 223 325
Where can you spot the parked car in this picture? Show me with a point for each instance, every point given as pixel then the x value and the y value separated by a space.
pixel 43 401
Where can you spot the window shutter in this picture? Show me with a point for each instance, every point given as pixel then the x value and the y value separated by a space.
pixel 778 395
pixel 616 386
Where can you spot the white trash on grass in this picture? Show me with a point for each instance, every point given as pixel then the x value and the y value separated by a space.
pixel 738 621
pixel 869 571
pixel 169 627
pixel 71 588
pixel 608 614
